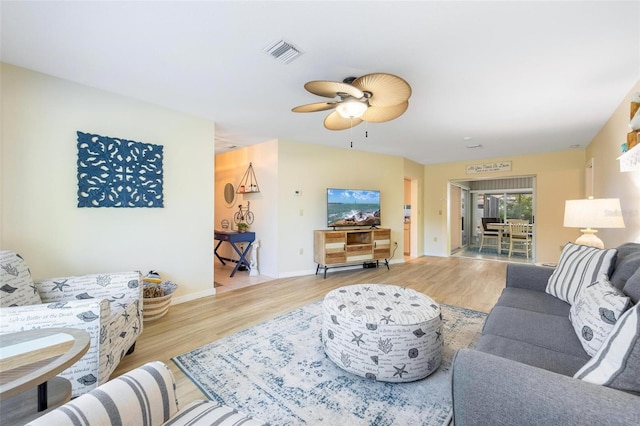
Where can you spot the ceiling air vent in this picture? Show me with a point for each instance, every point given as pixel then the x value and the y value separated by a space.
pixel 283 51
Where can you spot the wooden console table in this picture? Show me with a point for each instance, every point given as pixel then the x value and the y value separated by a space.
pixel 29 363
pixel 234 238
pixel 339 248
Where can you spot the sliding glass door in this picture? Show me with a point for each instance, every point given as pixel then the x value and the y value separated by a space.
pixel 495 200
pixel 505 206
pixel 501 205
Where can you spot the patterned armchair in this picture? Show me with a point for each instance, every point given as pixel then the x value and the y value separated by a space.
pixel 107 306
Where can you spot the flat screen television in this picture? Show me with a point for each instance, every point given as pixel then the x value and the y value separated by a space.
pixel 353 207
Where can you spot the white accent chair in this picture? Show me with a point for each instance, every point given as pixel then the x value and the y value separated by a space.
pixel 525 221
pixel 107 306
pixel 519 238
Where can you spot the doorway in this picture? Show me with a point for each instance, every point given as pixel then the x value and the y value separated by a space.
pixel 459 217
pixel 501 199
pixel 410 221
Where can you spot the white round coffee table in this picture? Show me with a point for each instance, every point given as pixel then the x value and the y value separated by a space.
pixel 382 332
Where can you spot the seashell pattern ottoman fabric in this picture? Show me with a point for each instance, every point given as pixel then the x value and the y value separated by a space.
pixel 382 332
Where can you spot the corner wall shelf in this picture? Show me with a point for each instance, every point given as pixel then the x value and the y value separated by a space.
pixel 248 183
pixel 630 160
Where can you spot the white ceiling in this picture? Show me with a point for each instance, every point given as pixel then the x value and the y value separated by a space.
pixel 518 77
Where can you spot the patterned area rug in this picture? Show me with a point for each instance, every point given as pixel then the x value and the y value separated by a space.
pixel 277 371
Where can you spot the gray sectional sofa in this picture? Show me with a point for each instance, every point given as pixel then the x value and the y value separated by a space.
pixel 522 369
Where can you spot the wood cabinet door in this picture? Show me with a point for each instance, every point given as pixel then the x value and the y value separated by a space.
pixel 330 247
pixel 381 243
pixel 357 252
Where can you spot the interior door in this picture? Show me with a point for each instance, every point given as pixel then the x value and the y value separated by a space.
pixel 465 216
pixel 455 217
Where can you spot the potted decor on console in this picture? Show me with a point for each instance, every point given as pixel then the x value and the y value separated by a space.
pixel 243 227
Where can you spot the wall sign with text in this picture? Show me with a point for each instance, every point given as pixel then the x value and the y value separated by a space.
pixel 499 166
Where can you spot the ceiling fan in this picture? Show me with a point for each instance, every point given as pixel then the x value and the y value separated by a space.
pixel 375 98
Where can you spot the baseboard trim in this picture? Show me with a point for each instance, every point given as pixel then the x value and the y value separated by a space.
pixel 192 296
pixel 212 291
pixel 297 273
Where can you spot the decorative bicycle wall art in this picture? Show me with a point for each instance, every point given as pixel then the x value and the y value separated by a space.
pixel 243 217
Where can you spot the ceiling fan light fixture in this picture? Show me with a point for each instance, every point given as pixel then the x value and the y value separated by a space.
pixel 351 108
pixel 373 98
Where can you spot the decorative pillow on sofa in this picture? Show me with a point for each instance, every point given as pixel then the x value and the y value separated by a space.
pixel 16 285
pixel 627 263
pixel 595 312
pixel 632 287
pixel 578 267
pixel 617 362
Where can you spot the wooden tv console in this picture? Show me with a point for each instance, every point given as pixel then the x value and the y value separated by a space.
pixel 340 248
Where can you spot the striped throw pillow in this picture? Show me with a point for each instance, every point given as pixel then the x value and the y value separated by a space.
pixel 617 362
pixel 145 396
pixel 578 267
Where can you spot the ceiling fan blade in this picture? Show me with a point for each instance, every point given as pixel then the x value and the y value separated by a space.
pixel 386 89
pixel 335 121
pixel 382 114
pixel 330 89
pixel 320 106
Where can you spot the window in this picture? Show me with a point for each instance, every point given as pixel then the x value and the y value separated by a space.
pixel 507 205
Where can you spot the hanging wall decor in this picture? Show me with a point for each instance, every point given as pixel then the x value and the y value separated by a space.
pixel 116 172
pixel 248 183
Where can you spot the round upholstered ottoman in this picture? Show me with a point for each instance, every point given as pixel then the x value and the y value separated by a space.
pixel 382 332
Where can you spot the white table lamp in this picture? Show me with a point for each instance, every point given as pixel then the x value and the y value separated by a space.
pixel 592 213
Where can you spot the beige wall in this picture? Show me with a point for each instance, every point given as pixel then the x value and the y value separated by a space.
pixel 609 182
pixel 312 169
pixel 284 221
pixel 40 217
pixel 559 176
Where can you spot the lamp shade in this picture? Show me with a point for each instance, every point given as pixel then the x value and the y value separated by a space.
pixel 593 213
pixel 351 108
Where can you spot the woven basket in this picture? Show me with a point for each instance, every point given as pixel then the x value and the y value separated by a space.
pixel 157 307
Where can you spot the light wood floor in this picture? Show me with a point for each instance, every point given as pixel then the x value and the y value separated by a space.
pixel 241 279
pixel 470 283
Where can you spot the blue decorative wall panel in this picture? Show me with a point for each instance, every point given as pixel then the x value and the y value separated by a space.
pixel 118 173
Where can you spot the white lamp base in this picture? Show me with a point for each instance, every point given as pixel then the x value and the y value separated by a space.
pixel 589 238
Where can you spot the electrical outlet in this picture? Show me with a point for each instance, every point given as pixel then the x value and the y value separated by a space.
pixel 301 251
pixel 395 243
pixel 435 239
